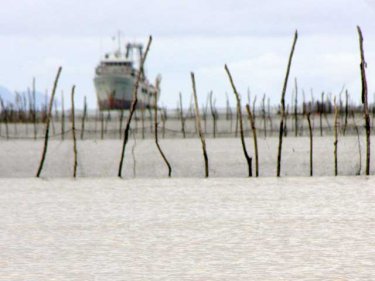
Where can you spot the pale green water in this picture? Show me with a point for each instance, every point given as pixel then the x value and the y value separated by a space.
pixel 188 229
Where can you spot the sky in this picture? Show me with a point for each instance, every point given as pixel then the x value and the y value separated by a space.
pixel 252 37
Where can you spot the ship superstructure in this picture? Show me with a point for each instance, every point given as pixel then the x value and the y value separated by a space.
pixel 115 79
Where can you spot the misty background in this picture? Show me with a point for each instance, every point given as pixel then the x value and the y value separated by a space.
pixel 252 37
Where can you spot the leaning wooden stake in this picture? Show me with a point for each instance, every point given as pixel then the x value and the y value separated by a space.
pixel 248 158
pixel 198 125
pixel 47 124
pixel 74 136
pixel 156 129
pixel 253 128
pixel 282 107
pixel 311 143
pixel 363 66
pixel 133 106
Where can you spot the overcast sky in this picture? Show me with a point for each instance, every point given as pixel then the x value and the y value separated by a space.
pixel 252 37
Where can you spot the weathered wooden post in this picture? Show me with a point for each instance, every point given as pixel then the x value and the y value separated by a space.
pixel 182 118
pixel 5 112
pixel 321 110
pixel 156 129
pixel 359 144
pixel 213 114
pixel 62 117
pixel 363 66
pixel 311 143
pixel 346 110
pixel 74 136
pixel 282 108
pixel 335 131
pixel 47 123
pixel 248 158
pixel 264 115
pixel 253 128
pixel 34 109
pixel 198 125
pixel 133 106
pixel 295 108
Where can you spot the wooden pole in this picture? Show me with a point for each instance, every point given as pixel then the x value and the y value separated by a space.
pixel 74 136
pixel 296 108
pixel 363 66
pixel 248 158
pixel 346 110
pixel 34 109
pixel 264 115
pixel 253 128
pixel 182 118
pixel 156 128
pixel 269 116
pixel 311 143
pixel 133 107
pixel 282 108
pixel 335 131
pixel 359 144
pixel 5 113
pixel 47 123
pixel 62 117
pixel 198 125
pixel 213 114
pixel 321 109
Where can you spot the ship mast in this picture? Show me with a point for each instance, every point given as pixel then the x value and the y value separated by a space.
pixel 129 51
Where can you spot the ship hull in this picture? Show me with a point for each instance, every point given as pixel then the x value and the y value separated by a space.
pixel 116 93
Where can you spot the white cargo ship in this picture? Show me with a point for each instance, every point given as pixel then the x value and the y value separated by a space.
pixel 115 80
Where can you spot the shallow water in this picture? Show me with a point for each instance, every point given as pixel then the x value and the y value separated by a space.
pixel 188 229
pixel 226 158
